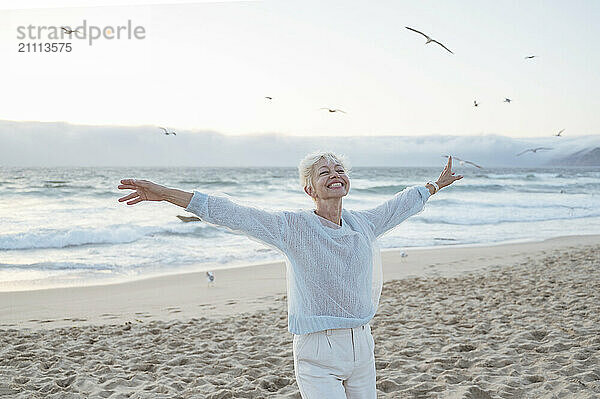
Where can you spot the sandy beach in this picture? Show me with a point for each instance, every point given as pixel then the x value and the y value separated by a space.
pixel 518 320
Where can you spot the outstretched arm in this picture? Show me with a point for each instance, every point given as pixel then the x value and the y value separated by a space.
pixel 148 191
pixel 266 226
pixel 405 203
pixel 394 211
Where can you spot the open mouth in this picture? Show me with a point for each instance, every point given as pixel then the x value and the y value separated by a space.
pixel 335 185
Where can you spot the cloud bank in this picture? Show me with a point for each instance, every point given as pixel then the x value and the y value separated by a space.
pixel 63 144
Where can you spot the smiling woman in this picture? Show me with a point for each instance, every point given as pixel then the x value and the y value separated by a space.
pixel 324 175
pixel 333 266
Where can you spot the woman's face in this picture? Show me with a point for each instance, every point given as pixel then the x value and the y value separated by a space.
pixel 329 180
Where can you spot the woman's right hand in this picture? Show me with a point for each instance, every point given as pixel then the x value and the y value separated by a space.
pixel 144 191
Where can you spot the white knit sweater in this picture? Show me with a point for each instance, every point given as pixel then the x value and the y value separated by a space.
pixel 334 275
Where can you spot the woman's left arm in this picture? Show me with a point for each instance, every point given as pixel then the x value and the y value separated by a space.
pixel 406 203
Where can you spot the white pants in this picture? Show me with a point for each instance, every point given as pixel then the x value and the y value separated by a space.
pixel 336 364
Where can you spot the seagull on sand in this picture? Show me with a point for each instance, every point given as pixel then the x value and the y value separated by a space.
pixel 530 57
pixel 507 100
pixel 429 40
pixel 69 30
pixel 167 131
pixel 210 277
pixel 334 110
pixel 534 150
pixel 558 134
pixel 463 162
pixel 475 103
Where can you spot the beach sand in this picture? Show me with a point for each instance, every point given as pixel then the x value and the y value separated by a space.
pixel 518 320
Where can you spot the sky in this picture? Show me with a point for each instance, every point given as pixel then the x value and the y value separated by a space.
pixel 208 66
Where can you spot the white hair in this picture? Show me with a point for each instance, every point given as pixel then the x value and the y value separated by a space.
pixel 305 169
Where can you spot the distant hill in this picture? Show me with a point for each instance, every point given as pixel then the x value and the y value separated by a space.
pixel 585 157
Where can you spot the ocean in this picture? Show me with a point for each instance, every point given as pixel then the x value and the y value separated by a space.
pixel 63 227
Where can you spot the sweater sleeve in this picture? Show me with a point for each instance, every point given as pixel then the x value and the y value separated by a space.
pixel 266 226
pixel 391 213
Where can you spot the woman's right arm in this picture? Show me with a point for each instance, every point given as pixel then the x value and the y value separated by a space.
pixel 177 197
pixel 145 190
pixel 266 226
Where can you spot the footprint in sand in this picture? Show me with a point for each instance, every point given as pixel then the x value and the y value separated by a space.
pixel 8 391
pixel 64 382
pixel 534 378
pixel 471 392
pixel 73 319
pixel 539 335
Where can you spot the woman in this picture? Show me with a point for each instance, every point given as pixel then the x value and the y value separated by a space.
pixel 333 266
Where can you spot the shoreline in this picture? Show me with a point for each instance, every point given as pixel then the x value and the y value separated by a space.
pixel 243 289
pixel 216 267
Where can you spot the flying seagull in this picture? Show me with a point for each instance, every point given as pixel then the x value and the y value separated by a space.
pixel 168 132
pixel 429 40
pixel 475 103
pixel 507 100
pixel 269 98
pixel 558 134
pixel 334 110
pixel 530 57
pixel 69 31
pixel 534 150
pixel 463 162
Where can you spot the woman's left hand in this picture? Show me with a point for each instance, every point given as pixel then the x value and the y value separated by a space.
pixel 447 176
